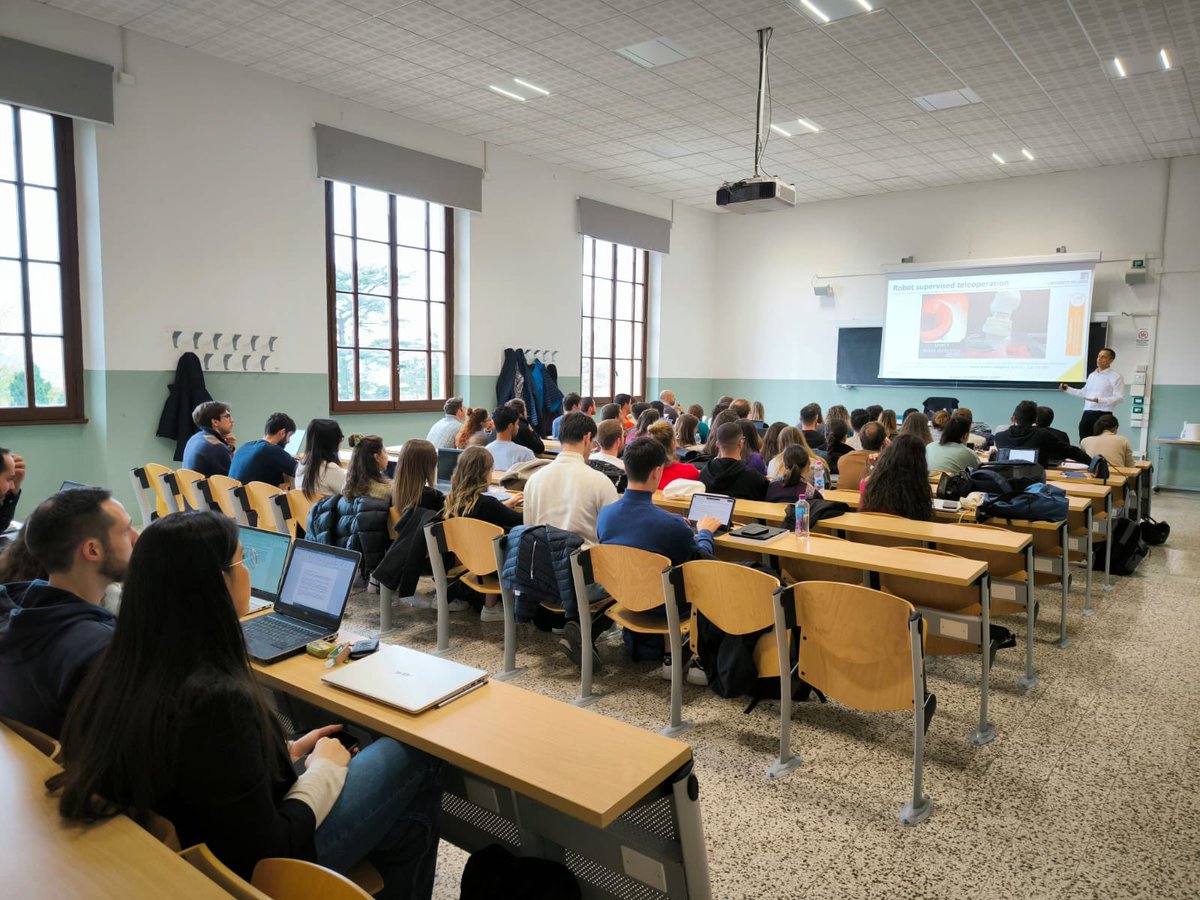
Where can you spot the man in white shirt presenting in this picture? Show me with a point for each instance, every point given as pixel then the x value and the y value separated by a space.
pixel 1101 393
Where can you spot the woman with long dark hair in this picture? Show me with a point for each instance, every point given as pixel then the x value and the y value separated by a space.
pixel 951 453
pixel 171 720
pixel 320 471
pixel 917 424
pixel 770 442
pixel 719 419
pixel 792 481
pixel 753 443
pixel 368 466
pixel 899 483
pixel 687 432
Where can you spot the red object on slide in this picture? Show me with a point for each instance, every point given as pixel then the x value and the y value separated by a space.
pixel 943 318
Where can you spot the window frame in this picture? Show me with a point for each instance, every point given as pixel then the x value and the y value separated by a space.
pixel 395 404
pixel 72 412
pixel 637 389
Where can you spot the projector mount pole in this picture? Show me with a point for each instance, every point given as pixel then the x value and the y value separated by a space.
pixel 764 35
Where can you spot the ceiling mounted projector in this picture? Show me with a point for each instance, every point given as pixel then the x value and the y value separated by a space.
pixel 760 193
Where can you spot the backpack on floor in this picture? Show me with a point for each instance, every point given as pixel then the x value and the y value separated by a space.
pixel 1155 532
pixel 1128 549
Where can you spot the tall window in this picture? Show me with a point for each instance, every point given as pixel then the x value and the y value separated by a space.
pixel 391 294
pixel 614 320
pixel 41 365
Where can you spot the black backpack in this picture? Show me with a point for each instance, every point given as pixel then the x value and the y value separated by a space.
pixel 954 487
pixel 1128 549
pixel 1098 468
pixel 1155 532
pixel 1019 475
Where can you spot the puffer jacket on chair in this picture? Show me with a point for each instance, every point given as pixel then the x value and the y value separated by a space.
pixel 360 524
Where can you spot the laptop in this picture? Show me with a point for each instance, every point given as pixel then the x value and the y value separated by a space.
pixel 1008 454
pixel 311 602
pixel 719 506
pixel 271 551
pixel 296 444
pixel 75 486
pixel 407 679
pixel 447 462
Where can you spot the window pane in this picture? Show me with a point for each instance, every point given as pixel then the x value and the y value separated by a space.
pixel 343 317
pixel 345 374
pixel 8 165
pixel 625 262
pixel 45 298
pixel 604 290
pixel 602 332
pixel 638 340
pixel 371 214
pixel 41 223
pixel 375 375
pixel 37 149
pixel 49 380
pixel 343 264
pixel 12 310
pixel 604 263
pixel 623 339
pixel 374 268
pixel 589 247
pixel 413 380
pixel 437 327
pixel 410 273
pixel 410 222
pixel 411 324
pixel 437 368
pixel 587 336
pixel 12 373
pixel 602 383
pixel 622 377
pixel 624 300
pixel 587 296
pixel 341 208
pixel 374 322
pixel 585 377
pixel 437 277
pixel 10 244
pixel 639 267
pixel 437 228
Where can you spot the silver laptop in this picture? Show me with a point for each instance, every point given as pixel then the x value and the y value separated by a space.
pixel 719 506
pixel 296 443
pixel 407 679
pixel 266 554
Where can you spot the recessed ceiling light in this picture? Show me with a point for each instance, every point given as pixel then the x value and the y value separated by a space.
pixel 1166 60
pixel 946 99
pixel 1025 153
pixel 866 6
pixel 1120 68
pixel 532 87
pixel 998 158
pixel 778 130
pixel 509 94
pixel 823 12
pixel 807 4
pixel 809 125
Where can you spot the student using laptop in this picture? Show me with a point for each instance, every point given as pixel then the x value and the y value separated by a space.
pixel 197 743
pixel 266 460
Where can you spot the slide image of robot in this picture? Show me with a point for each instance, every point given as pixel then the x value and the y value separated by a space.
pixel 985 325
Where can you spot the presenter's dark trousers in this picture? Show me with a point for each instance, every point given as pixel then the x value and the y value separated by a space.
pixel 1088 422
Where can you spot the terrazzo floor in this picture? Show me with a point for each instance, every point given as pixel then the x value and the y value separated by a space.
pixel 1091 788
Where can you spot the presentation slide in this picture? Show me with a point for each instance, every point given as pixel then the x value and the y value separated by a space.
pixel 1011 324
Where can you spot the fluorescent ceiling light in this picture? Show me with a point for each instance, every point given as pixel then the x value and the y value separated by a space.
pixel 1025 153
pixel 509 94
pixel 807 4
pixel 998 158
pixel 1120 68
pixel 532 87
pixel 865 5
pixel 1166 60
pixel 809 125
pixel 778 130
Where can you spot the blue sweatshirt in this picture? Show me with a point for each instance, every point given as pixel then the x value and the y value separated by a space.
pixel 207 454
pixel 634 521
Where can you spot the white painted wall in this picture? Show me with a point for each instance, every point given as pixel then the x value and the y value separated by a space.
pixel 1179 325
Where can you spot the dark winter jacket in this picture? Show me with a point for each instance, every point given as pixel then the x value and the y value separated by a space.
pixel 537 563
pixel 8 509
pixel 49 639
pixel 407 558
pixel 360 524
pixel 730 476
pixel 184 395
pixel 527 437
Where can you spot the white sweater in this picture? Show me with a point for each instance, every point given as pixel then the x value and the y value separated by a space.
pixel 319 787
pixel 568 494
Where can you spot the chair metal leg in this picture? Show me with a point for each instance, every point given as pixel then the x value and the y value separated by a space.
pixel 986 731
pixel 1108 542
pixel 1030 678
pixel 1063 641
pixel 787 761
pixel 509 601
pixel 917 809
pixel 443 600
pixel 1087 593
pixel 386 598
pixel 583 609
pixel 676 726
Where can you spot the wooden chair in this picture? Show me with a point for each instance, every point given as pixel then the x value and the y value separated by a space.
pixel 150 500
pixel 862 648
pixel 256 501
pixel 296 879
pixel 182 491
pixel 794 570
pixel 634 580
pixel 293 507
pixel 203 859
pixel 218 495
pixel 46 745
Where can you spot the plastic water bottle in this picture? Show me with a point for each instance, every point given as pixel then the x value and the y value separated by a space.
pixel 802 518
pixel 819 476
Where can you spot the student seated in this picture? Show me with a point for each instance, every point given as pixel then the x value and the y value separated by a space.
pixel 951 454
pixel 645 419
pixel 567 493
pixel 610 439
pixel 52 631
pixel 571 403
pixel 858 418
pixel 415 483
pixel 701 426
pixel 887 419
pixel 836 445
pixel 611 411
pixel 476 429
pixel 525 436
pixel 664 434
pixel 687 432
pixel 792 481
pixel 672 408
pixel 1107 443
pixel 210 450
pixel 625 406
pixel 750 449
pixel 445 429
pixel 899 483
pixel 785 437
pixel 740 407
pixel 723 417
pixel 18 564
pixel 917 423
pixel 1024 434
pixel 810 421
pixel 1045 419
pixel 172 721
pixel 367 475
pixel 938 424
pixel 852 466
pixel 505 452
pixel 727 474
pixel 265 460
pixel 12 475
pixel 320 471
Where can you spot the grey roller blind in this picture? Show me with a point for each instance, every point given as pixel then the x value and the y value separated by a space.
pixel 623 226
pixel 354 159
pixel 55 82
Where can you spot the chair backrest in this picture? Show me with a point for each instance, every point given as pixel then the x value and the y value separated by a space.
pixel 299 506
pixel 735 598
pixel 180 490
pixel 46 745
pixel 632 577
pixel 221 875
pixel 471 541
pixel 297 879
pixel 809 570
pixel 258 497
pixel 147 489
pixel 855 644
pixel 219 494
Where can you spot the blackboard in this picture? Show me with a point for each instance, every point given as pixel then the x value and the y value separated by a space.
pixel 858 361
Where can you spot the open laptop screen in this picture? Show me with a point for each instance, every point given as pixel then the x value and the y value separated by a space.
pixel 270 551
pixel 447 462
pixel 318 579
pixel 718 506
pixel 293 446
pixel 1015 455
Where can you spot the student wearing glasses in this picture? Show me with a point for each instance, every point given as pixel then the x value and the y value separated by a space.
pixel 210 450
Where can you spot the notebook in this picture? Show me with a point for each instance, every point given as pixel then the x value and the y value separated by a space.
pixel 270 551
pixel 719 506
pixel 407 679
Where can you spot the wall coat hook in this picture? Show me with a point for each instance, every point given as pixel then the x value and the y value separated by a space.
pixel 207 359
pixel 228 357
pixel 196 335
pixel 175 336
pixel 236 338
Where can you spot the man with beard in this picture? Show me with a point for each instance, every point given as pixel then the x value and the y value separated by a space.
pixel 51 632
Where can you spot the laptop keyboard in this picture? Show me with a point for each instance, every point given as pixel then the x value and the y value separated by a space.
pixel 278 633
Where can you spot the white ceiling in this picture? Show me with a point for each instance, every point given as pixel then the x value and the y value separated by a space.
pixel 1041 67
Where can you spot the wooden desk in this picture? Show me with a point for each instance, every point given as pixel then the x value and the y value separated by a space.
pixel 44 856
pixel 1159 443
pixel 546 777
